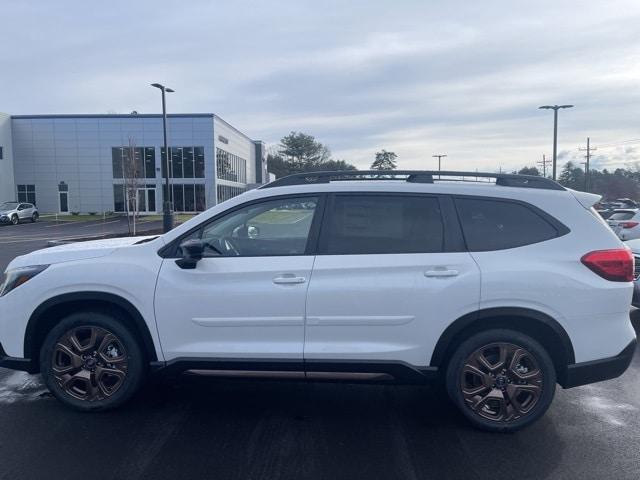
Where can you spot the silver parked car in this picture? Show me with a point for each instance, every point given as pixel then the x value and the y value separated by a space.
pixel 625 222
pixel 15 212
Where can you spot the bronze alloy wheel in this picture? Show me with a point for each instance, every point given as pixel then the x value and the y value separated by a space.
pixel 89 363
pixel 501 382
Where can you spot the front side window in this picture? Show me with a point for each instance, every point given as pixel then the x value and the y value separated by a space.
pixel 497 224
pixel 383 224
pixel 275 227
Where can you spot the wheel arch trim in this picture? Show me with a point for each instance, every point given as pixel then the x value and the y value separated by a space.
pixel 456 328
pixel 141 327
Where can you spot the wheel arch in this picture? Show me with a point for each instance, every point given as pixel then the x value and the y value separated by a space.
pixel 51 311
pixel 534 323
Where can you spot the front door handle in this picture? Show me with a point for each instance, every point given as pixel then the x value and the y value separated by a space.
pixel 441 273
pixel 288 280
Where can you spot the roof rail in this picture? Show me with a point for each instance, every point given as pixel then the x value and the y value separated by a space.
pixel 415 176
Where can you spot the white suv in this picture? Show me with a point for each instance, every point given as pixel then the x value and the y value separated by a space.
pixel 500 285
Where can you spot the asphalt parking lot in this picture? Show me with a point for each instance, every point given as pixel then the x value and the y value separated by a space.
pixel 201 427
pixel 23 238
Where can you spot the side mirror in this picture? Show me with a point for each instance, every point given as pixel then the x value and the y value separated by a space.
pixel 192 251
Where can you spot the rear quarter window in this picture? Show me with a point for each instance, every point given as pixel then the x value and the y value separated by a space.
pixel 622 216
pixel 501 224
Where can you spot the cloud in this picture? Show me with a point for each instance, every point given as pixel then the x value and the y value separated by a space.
pixel 418 78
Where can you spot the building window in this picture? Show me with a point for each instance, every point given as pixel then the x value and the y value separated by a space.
pixel 230 167
pixel 143 194
pixel 225 192
pixel 187 197
pixel 184 162
pixel 139 162
pixel 1 154
pixel 27 193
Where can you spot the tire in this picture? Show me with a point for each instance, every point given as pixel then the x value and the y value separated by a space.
pixel 500 399
pixel 85 369
pixel 14 219
pixel 34 217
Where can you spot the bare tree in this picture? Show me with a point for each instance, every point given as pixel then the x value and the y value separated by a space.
pixel 132 173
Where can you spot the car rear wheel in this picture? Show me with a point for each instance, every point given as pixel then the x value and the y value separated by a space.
pixel 501 380
pixel 14 219
pixel 34 217
pixel 91 362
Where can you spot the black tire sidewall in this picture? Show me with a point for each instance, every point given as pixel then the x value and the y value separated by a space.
pixel 473 343
pixel 136 367
pixel 34 217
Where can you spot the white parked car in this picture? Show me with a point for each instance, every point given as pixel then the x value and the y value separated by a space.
pixel 15 212
pixel 503 290
pixel 625 222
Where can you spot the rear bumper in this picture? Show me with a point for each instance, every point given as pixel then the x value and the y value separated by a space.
pixel 14 363
pixel 636 294
pixel 599 370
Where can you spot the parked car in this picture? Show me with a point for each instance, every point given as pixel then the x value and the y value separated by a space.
pixel 625 223
pixel 634 245
pixel 15 212
pixel 501 290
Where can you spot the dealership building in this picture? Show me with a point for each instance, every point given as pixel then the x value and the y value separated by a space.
pixel 94 163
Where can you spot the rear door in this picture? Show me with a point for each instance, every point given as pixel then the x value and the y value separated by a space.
pixel 390 275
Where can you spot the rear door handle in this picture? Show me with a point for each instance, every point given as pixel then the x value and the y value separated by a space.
pixel 441 273
pixel 288 280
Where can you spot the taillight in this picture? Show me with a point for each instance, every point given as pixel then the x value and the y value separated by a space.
pixel 615 265
pixel 628 224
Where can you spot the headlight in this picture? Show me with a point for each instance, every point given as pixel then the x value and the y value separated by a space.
pixel 16 277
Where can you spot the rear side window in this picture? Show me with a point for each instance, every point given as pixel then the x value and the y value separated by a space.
pixel 497 225
pixel 622 216
pixel 372 224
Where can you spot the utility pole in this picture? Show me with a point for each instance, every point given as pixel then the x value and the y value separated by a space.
pixel 544 162
pixel 439 160
pixel 555 109
pixel 587 172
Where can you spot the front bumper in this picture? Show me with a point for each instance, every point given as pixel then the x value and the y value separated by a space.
pixel 599 370
pixel 24 364
pixel 4 219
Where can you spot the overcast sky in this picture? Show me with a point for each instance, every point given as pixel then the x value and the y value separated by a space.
pixel 416 77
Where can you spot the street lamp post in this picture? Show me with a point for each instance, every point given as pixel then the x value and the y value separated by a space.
pixel 167 206
pixel 555 109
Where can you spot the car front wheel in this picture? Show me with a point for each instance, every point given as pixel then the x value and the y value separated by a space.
pixel 90 361
pixel 501 380
pixel 15 220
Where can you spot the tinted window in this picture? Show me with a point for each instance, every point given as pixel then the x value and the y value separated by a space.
pixel 497 225
pixel 275 227
pixel 622 216
pixel 374 224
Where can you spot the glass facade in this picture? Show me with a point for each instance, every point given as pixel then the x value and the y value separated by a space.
pixel 187 197
pixel 184 162
pixel 144 195
pixel 230 167
pixel 27 193
pixel 137 162
pixel 225 192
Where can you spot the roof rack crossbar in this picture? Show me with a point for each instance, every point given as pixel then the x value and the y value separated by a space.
pixel 414 176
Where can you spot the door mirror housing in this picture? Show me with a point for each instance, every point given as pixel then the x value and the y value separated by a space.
pixel 192 251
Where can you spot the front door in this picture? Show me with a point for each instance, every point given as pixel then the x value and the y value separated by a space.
pixel 386 281
pixel 246 297
pixel 146 198
pixel 64 201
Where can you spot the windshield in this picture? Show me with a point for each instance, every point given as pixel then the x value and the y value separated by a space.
pixel 622 216
pixel 8 205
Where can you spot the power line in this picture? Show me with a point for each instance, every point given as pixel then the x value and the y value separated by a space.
pixel 544 162
pixel 586 164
